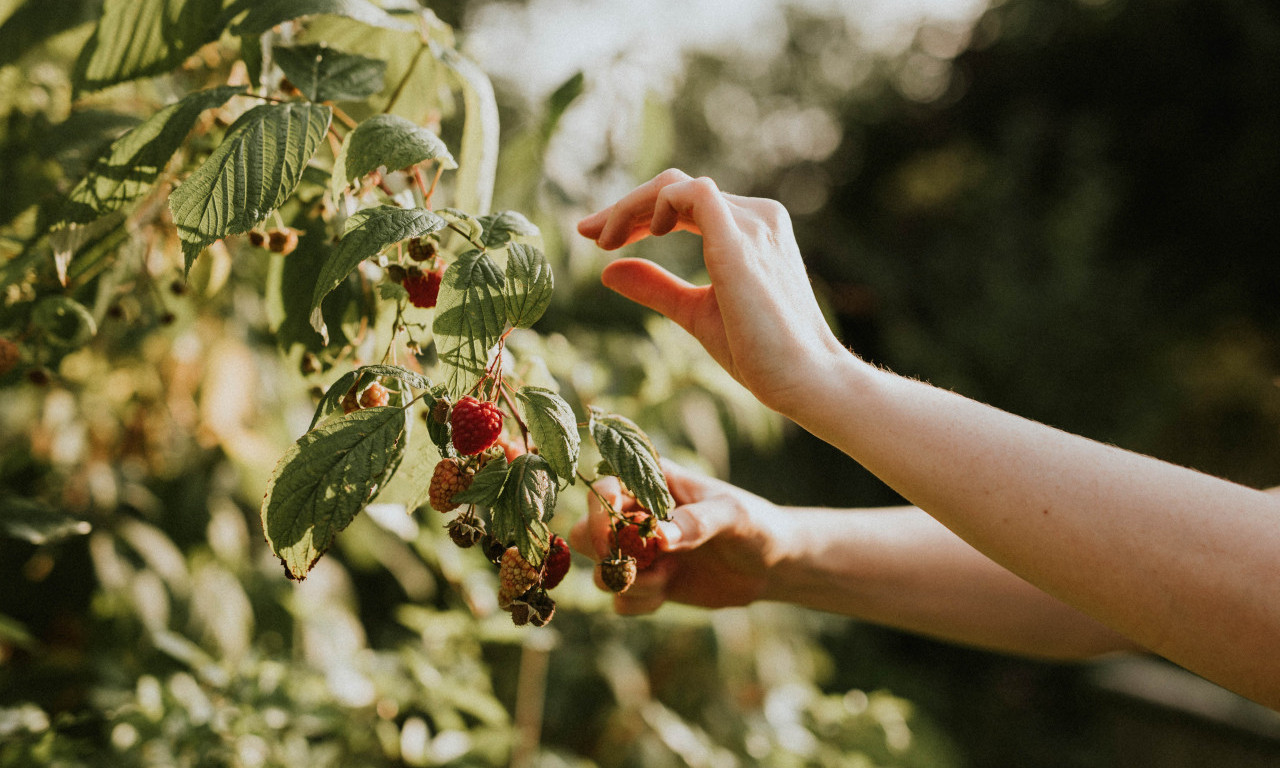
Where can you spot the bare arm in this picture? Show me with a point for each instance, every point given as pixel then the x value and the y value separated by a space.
pixel 1178 562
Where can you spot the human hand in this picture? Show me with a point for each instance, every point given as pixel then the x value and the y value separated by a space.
pixel 715 551
pixel 758 318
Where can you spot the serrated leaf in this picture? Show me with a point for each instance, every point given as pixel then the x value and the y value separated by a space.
pixel 527 502
pixel 486 485
pixel 256 167
pixel 324 74
pixel 367 232
pixel 502 226
pixel 394 142
pixel 631 454
pixel 529 285
pixel 133 162
pixel 325 479
pixel 265 14
pixel 137 38
pixel 554 428
pixel 470 315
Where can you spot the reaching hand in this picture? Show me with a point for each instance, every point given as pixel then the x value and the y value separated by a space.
pixel 758 318
pixel 719 543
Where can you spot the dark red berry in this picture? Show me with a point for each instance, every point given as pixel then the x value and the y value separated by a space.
pixel 557 564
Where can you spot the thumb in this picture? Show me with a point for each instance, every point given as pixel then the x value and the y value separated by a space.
pixel 651 286
pixel 693 525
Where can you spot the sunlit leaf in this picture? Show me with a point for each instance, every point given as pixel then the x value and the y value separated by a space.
pixel 265 14
pixel 527 502
pixel 255 168
pixel 36 21
pixel 367 232
pixel 137 38
pixel 324 74
pixel 394 142
pixel 529 285
pixel 554 429
pixel 500 227
pixel 633 458
pixel 487 484
pixel 332 399
pixel 478 156
pixel 325 479
pixel 131 165
pixel 470 315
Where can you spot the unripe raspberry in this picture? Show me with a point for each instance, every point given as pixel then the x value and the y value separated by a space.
pixel 476 425
pixel 449 478
pixel 422 248
pixel 257 238
pixel 557 565
pixel 375 396
pixel 618 573
pixel 515 577
pixel 282 241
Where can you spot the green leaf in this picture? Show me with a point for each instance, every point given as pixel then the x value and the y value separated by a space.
pixel 325 479
pixel 464 224
pixel 634 459
pixel 256 167
pixel 478 156
pixel 411 483
pixel 137 38
pixel 527 502
pixel 394 142
pixel 529 285
pixel 64 322
pixel 470 315
pixel 554 428
pixel 500 227
pixel 487 484
pixel 265 14
pixel 36 21
pixel 37 523
pixel 323 74
pixel 367 232
pixel 131 165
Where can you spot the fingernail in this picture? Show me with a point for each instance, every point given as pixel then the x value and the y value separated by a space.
pixel 671 532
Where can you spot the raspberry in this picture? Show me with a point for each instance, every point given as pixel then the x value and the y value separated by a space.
pixel 448 479
pixel 618 573
pixel 282 241
pixel 422 248
pixel 515 577
pixel 257 238
pixel 423 287
pixel 639 537
pixel 476 425
pixel 557 565
pixel 537 609
pixel 466 532
pixel 375 396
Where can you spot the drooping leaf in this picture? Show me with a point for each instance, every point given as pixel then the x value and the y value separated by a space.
pixel 500 227
pixel 133 162
pixel 324 74
pixel 486 485
pixel 631 454
pixel 265 14
pixel 256 167
pixel 478 155
pixel 469 316
pixel 367 232
pixel 138 38
pixel 35 21
pixel 464 224
pixel 554 428
pixel 325 479
pixel 394 142
pixel 529 285
pixel 527 502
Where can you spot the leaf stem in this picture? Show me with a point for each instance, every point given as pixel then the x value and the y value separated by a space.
pixel 343 116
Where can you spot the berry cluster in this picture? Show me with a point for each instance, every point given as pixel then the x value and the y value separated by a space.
pixel 637 541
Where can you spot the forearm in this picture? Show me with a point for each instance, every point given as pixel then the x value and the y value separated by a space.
pixel 1180 562
pixel 901 568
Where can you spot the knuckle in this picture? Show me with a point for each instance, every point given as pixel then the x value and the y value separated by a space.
pixel 671 176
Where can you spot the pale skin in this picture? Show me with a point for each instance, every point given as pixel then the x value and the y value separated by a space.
pixel 1023 538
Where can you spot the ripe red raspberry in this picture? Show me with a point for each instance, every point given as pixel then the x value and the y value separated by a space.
pixel 476 425
pixel 424 287
pixel 515 577
pixel 639 537
pixel 618 573
pixel 557 565
pixel 449 478
pixel 375 396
